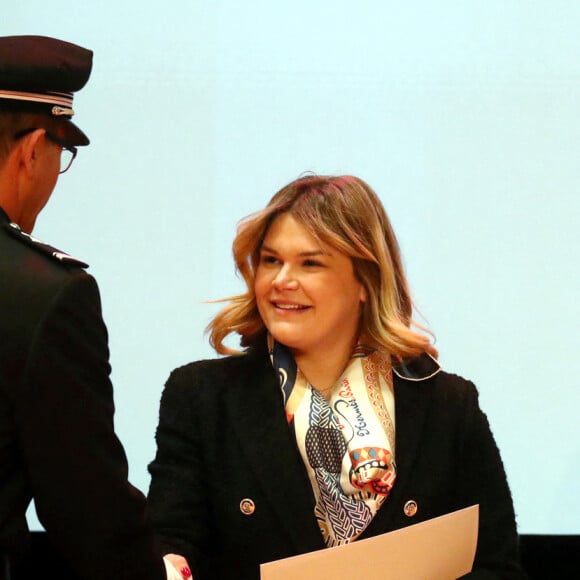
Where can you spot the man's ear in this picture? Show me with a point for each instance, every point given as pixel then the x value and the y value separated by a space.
pixel 31 145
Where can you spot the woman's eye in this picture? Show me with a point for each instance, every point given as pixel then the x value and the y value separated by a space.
pixel 267 259
pixel 312 263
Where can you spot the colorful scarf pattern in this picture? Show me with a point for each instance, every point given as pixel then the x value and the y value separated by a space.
pixel 347 442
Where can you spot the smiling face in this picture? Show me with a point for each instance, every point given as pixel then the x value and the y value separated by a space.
pixel 306 292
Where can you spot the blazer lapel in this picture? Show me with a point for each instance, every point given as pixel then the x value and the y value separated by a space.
pixel 256 413
pixel 412 400
pixel 412 383
pixel 411 405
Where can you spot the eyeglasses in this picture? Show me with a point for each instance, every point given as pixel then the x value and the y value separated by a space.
pixel 67 155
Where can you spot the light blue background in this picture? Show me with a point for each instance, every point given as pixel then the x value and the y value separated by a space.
pixel 464 116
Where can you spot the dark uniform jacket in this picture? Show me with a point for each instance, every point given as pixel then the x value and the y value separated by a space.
pixel 57 443
pixel 223 439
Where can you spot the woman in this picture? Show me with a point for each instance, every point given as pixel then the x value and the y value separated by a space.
pixel 335 422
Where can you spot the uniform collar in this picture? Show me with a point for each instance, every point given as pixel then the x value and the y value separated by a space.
pixel 4 216
pixel 46 249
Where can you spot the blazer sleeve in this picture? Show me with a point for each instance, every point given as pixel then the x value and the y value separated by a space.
pixel 178 496
pixel 77 466
pixel 482 480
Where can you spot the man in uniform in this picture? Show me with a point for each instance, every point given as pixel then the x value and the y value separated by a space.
pixel 57 440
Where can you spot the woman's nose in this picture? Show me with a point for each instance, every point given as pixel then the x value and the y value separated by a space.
pixel 285 280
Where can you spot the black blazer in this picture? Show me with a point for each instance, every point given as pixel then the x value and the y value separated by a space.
pixel 223 438
pixel 57 443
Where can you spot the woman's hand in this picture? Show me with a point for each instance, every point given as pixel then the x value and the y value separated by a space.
pixel 176 567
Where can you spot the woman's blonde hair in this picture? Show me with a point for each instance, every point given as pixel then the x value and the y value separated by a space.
pixel 346 214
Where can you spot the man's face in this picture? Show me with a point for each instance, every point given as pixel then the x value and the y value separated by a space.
pixel 43 178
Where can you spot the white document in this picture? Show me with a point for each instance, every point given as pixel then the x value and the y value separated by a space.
pixel 442 548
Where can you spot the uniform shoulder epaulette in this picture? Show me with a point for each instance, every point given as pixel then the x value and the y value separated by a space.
pixel 45 248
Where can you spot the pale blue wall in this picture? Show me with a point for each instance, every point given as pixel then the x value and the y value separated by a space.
pixel 464 116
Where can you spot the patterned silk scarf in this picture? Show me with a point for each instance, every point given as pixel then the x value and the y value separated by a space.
pixel 347 443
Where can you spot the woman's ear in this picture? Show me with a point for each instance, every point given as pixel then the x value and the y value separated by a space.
pixel 363 293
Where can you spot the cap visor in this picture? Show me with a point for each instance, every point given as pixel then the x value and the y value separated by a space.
pixel 73 135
